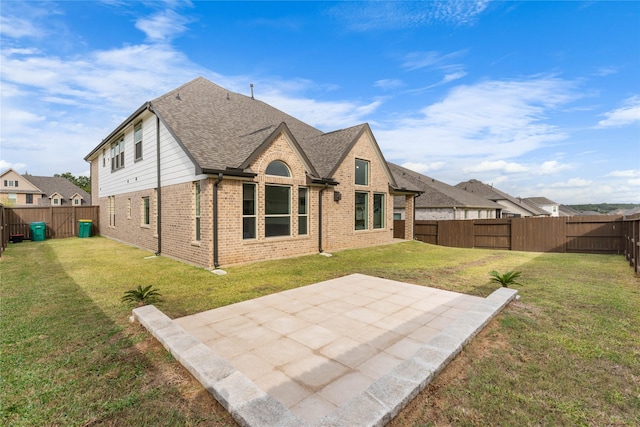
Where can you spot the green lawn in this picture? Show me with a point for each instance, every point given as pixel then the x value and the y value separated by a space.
pixel 568 353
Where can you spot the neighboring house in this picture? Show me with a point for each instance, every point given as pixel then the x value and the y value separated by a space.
pixel 214 177
pixel 513 207
pixel 440 201
pixel 568 211
pixel 29 190
pixel 543 203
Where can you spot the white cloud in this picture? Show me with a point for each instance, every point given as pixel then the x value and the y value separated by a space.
pixel 387 84
pixel 4 165
pixel 551 167
pixel 370 16
pixel 492 119
pixel 572 183
pixel 11 26
pixel 498 165
pixel 629 173
pixel 422 167
pixel 628 114
pixel 326 115
pixel 431 59
pixel 163 26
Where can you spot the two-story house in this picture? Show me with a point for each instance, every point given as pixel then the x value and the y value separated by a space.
pixel 214 177
pixel 30 190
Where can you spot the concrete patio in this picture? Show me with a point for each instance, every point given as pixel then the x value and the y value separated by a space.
pixel 348 351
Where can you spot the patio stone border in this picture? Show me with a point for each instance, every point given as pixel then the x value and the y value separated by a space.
pixel 252 407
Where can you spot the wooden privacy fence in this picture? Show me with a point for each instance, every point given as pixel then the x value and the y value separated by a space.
pixel 602 234
pixel 61 221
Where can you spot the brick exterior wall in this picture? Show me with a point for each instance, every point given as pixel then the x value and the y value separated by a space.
pixel 232 247
pixel 178 212
pixel 409 222
pixel 339 221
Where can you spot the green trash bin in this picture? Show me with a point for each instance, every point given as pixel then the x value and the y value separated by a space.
pixel 38 230
pixel 84 228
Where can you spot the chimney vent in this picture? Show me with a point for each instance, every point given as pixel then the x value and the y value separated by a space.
pixel 251 85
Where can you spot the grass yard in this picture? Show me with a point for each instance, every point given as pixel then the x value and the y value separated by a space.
pixel 568 353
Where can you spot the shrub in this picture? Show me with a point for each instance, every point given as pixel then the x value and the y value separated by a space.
pixel 142 296
pixel 505 279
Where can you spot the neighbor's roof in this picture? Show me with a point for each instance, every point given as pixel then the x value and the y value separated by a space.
pixel 540 201
pixel 437 194
pixel 222 130
pixel 51 184
pixel 489 192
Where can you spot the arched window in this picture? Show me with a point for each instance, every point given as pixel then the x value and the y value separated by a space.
pixel 278 168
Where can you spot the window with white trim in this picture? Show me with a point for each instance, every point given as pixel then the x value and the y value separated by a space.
pixel 137 141
pixel 146 206
pixel 278 168
pixel 277 210
pixel 248 211
pixel 378 210
pixel 117 154
pixel 303 211
pixel 362 211
pixel 362 172
pixel 196 189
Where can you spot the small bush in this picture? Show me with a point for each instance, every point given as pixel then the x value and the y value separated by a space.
pixel 505 279
pixel 142 296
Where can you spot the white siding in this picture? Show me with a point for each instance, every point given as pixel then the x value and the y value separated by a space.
pixel 175 166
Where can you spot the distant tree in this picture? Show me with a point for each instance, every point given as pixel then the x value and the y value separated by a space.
pixel 81 181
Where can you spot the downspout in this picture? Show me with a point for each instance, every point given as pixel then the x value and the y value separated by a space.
pixel 159 195
pixel 216 264
pixel 320 218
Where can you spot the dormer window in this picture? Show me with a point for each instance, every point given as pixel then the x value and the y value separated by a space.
pixel 278 168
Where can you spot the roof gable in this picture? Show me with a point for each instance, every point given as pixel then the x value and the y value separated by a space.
pixel 281 129
pixel 24 185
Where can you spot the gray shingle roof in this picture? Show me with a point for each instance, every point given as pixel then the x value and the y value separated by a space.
pixel 489 192
pixel 437 194
pixel 222 129
pixel 50 185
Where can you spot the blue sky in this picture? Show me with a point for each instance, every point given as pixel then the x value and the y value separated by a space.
pixel 537 98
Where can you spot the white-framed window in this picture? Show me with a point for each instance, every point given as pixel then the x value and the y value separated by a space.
pixel 146 207
pixel 303 211
pixel 277 210
pixel 76 201
pixel 137 141
pixel 117 154
pixel 362 211
pixel 196 191
pixel 249 211
pixel 378 210
pixel 362 172
pixel 278 168
pixel 112 211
